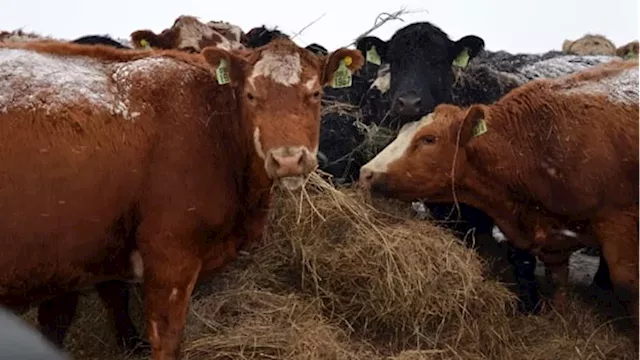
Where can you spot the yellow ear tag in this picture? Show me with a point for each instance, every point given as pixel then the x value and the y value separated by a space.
pixel 480 128
pixel 145 44
pixel 462 60
pixel 222 72
pixel 373 56
pixel 342 77
pixel 630 55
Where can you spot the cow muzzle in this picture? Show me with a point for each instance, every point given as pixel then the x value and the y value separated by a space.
pixel 369 179
pixel 290 165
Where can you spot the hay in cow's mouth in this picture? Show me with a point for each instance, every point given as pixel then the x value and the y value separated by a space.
pixel 291 182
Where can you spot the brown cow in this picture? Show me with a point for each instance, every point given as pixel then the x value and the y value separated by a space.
pixel 629 50
pixel 589 44
pixel 548 155
pixel 20 36
pixel 185 146
pixel 189 34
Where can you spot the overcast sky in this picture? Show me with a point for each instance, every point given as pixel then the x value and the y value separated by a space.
pixel 515 26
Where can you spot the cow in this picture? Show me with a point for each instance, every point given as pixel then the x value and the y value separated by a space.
pixel 427 68
pixel 191 35
pixel 184 147
pixel 261 35
pixel 99 40
pixel 549 154
pixel 19 35
pixel 589 44
pixel 629 50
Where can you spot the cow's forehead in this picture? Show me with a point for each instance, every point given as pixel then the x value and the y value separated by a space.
pixel 398 147
pixel 283 66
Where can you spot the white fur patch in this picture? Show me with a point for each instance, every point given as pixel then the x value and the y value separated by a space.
pixel 235 30
pixel 311 83
pixel 396 149
pixel 383 81
pixel 137 266
pixel 258 144
pixel 20 36
pixel 282 69
pixel 31 81
pixel 621 88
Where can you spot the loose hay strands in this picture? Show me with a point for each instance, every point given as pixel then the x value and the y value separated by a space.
pixel 382 19
pixel 403 280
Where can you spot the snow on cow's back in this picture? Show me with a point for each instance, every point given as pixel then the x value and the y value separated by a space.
pixel 32 80
pixel 558 66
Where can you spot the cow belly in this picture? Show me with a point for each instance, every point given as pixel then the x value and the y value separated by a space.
pixel 60 196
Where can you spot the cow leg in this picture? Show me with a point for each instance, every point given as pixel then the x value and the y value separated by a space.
pixel 556 269
pixel 618 236
pixel 171 270
pixel 602 278
pixel 55 316
pixel 115 296
pixel 524 265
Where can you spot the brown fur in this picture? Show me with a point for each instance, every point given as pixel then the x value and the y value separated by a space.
pixel 631 49
pixel 549 160
pixel 185 174
pixel 589 45
pixel 187 34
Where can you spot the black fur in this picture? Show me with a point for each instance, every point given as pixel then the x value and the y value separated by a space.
pixel 99 40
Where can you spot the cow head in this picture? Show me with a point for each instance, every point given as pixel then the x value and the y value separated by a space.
pixel 279 88
pixel 260 36
pixel 421 57
pixel 191 35
pixel 419 162
pixel 589 44
pixel 629 51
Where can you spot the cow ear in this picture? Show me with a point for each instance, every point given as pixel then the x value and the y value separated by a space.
pixel 144 39
pixel 465 49
pixel 473 124
pixel 373 49
pixel 566 46
pixel 226 67
pixel 337 64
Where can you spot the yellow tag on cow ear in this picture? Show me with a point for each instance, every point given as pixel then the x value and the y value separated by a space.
pixel 222 72
pixel 463 59
pixel 630 55
pixel 145 44
pixel 342 77
pixel 373 57
pixel 480 128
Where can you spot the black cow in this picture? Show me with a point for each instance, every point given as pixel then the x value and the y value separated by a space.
pixel 99 40
pixel 427 68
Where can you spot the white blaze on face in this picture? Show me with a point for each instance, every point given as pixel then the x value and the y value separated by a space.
pixel 282 69
pixel 192 31
pixel 398 147
pixel 383 80
pixel 311 83
pixel 258 144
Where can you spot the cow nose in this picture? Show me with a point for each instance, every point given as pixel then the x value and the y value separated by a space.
pixel 408 104
pixel 367 178
pixel 288 165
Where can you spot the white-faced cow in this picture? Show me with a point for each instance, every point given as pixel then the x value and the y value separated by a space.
pixel 184 148
pixel 550 154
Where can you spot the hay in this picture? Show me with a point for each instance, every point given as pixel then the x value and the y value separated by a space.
pixel 337 278
pixel 404 282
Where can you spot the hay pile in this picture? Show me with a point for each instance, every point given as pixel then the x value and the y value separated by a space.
pixel 337 279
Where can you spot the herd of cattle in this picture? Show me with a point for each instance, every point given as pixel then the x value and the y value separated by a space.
pixel 155 159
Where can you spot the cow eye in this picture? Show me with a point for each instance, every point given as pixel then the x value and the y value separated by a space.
pixel 250 96
pixel 316 94
pixel 428 139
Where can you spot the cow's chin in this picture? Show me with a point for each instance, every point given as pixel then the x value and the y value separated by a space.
pixel 291 182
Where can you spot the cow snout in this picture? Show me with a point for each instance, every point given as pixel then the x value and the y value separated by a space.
pixel 408 104
pixel 286 162
pixel 368 178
